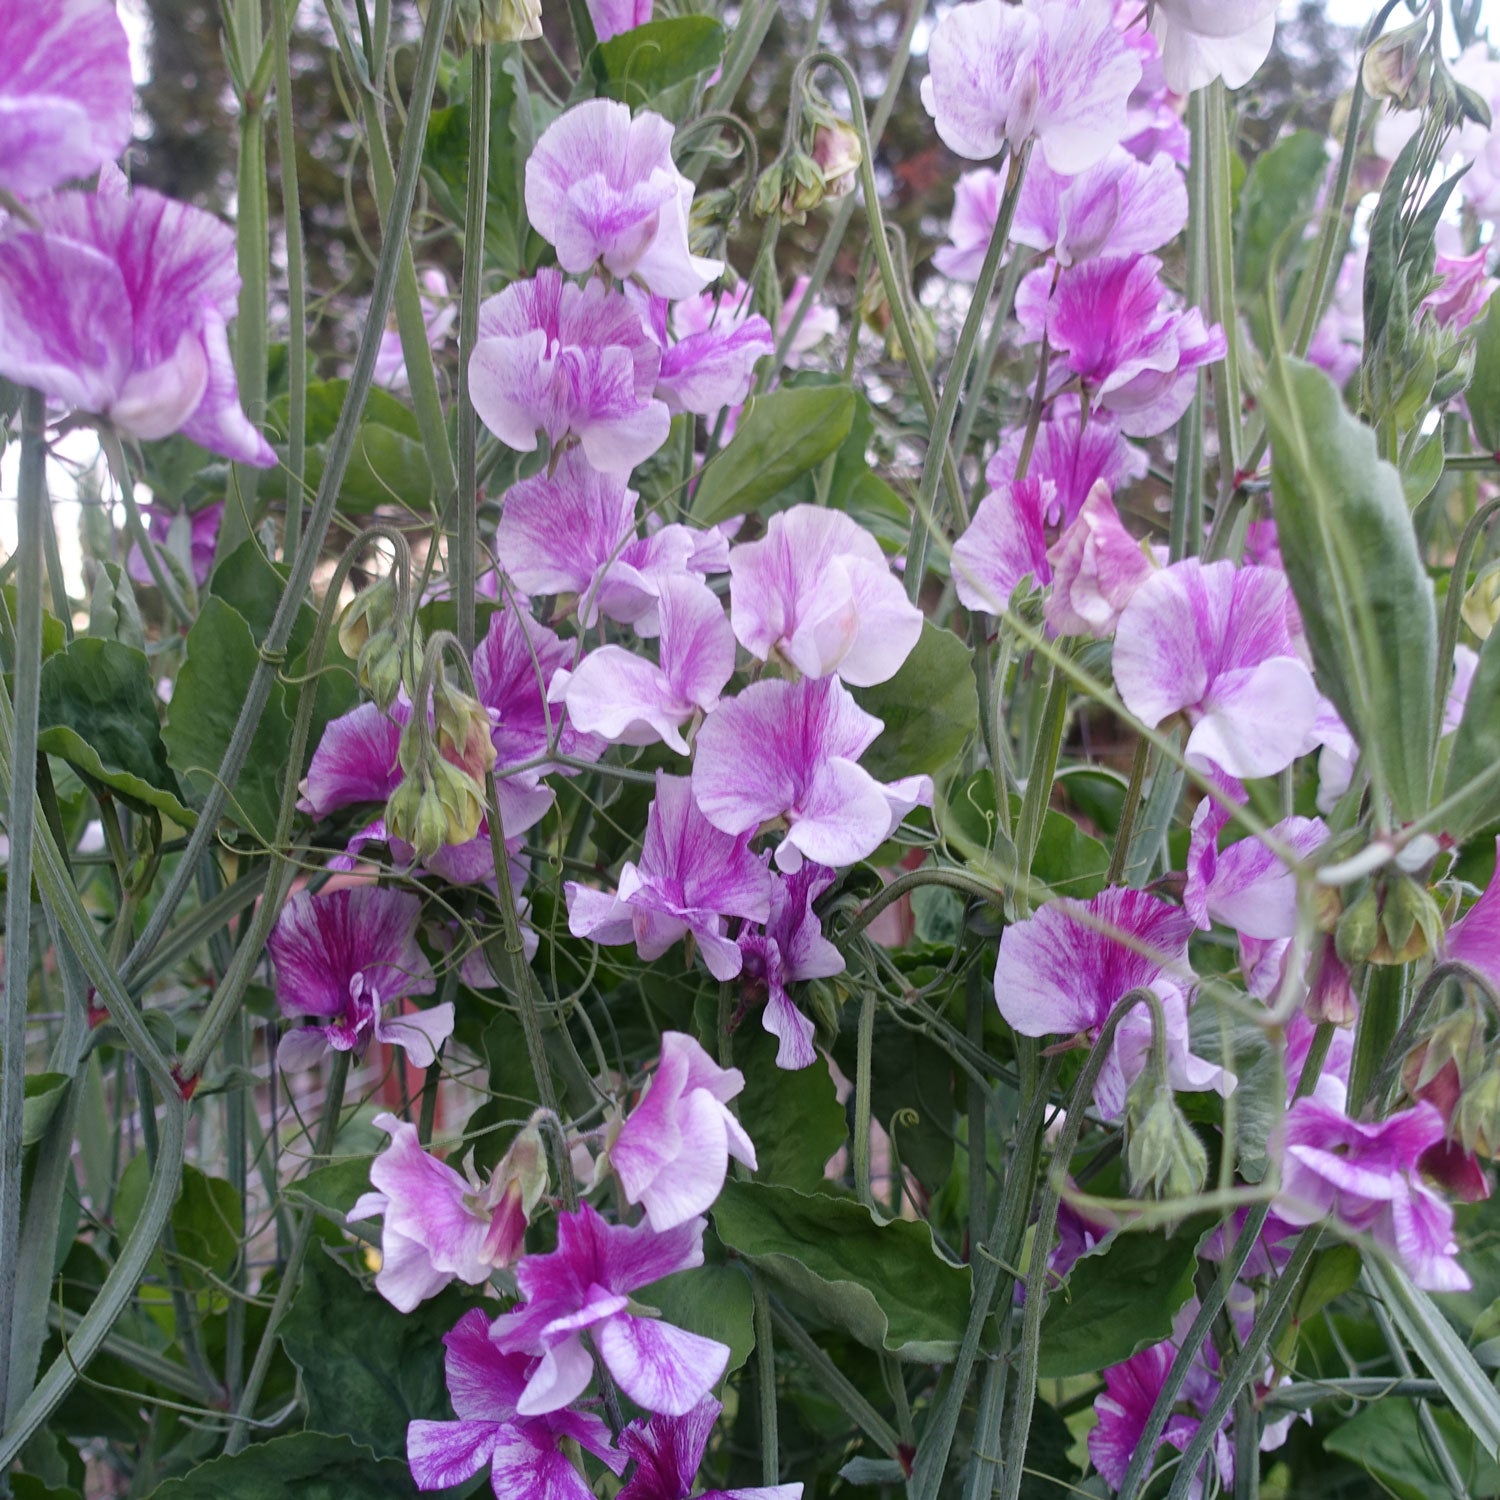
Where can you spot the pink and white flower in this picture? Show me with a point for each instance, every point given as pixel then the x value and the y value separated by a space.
pixel 611 17
pixel 1096 568
pixel 1202 40
pixel 1475 938
pixel 1072 455
pixel 668 1452
pixel 710 362
pixel 976 212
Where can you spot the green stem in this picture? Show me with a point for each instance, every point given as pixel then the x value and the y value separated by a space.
pixel 340 451
pixel 1374 1031
pixel 862 1075
pixel 291 1274
pixel 765 1378
pixel 1453 608
pixel 1119 856
pixel 955 880
pixel 296 278
pixel 19 821
pixel 135 524
pixel 1228 399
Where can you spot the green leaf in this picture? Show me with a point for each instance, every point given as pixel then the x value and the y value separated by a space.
pixel 300 1466
pixel 54 637
pixel 795 1119
pixel 713 1301
pixel 1476 748
pixel 929 708
pixel 206 702
pixel 1117 1300
pixel 882 1283
pixel 43 1094
pixel 1277 202
pixel 368 1370
pixel 641 63
pixel 114 614
pixel 1447 1358
pixel 336 1187
pixel 1386 1439
pixel 1483 395
pixel 207 1223
pixel 780 437
pixel 99 713
pixel 1356 568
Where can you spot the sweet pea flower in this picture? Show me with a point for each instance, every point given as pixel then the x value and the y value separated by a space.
pixel 611 17
pixel 818 323
pixel 1053 71
pixel 1463 289
pixel 1202 40
pixel 1073 456
pixel 710 363
pixel 1366 1175
pixel 116 303
pixel 691 877
pixel 790 750
pixel 1215 642
pixel 602 188
pixel 672 1153
pixel 1475 938
pixel 346 957
pixel 65 92
pixel 523 1453
pixel 818 591
pixel 583 1287
pixel 976 211
pixel 202 527
pixel 439 314
pixel 568 360
pixel 1120 206
pixel 1153 114
pixel 1247 886
pixel 1064 970
pixel 440 1225
pixel 1004 544
pixel 668 1452
pixel 628 700
pixel 1112 323
pixel 789 949
pixel 1096 568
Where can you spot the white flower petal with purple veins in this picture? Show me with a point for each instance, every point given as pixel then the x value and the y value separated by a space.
pixel 818 590
pixel 1072 456
pixel 611 17
pixel 790 750
pixel 672 1153
pixel 659 1366
pixel 1247 887
pixel 1214 641
pixel 1475 938
pixel 1054 71
pixel 976 211
pixel 691 877
pixel 1096 568
pixel 66 95
pixel 1120 206
pixel 562 359
pixel 115 303
pixel 1005 544
pixel 704 372
pixel 602 188
pixel 1202 40
pixel 628 700
pixel 422 1032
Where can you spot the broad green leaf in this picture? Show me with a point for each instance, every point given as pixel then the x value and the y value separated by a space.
pixel 929 708
pixel 1447 1358
pixel 713 1301
pixel 1483 395
pixel 1115 1302
pixel 780 437
pixel 99 712
pixel 795 1119
pixel 299 1466
pixel 206 1219
pixel 368 1370
pixel 637 65
pixel 206 702
pixel 882 1283
pixel 44 1092
pixel 1278 200
pixel 54 638
pixel 114 614
pixel 1386 1439
pixel 336 1187
pixel 1476 749
pixel 1356 569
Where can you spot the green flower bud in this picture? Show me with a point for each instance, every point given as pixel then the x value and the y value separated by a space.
pixel 462 725
pixel 1481 607
pixel 1359 928
pixel 1398 68
pixel 1163 1155
pixel 1410 922
pixel 371 611
pixel 476 21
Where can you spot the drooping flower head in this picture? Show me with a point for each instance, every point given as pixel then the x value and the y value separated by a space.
pixel 347 957
pixel 668 1452
pixel 65 92
pixel 566 360
pixel 1215 641
pixel 601 187
pixel 1202 40
pixel 672 1153
pixel 1366 1175
pixel 523 1453
pixel 691 877
pixel 1065 970
pixel 116 303
pixel 790 750
pixel 440 1226
pixel 584 1286
pixel 791 948
pixel 1053 71
pixel 1112 323
pixel 818 591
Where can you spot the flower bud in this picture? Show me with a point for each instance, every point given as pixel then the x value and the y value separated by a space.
pixel 462 725
pixel 838 154
pixel 515 1188
pixel 369 612
pixel 1476 1120
pixel 710 220
pixel 1359 928
pixel 790 187
pixel 1330 997
pixel 1481 607
pixel 1163 1155
pixel 1398 68
pixel 1410 922
pixel 477 21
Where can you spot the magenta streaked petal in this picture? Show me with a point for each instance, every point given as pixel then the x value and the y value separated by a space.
pixel 483 1383
pixel 1475 938
pixel 1005 544
pixel 448 1453
pixel 356 761
pixel 1096 568
pixel 561 1376
pixel 526 1470
pixel 659 1366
